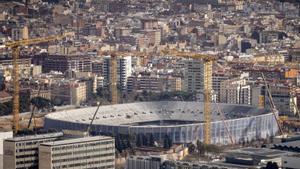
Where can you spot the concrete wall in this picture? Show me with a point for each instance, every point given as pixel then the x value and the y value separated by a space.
pixel 3 136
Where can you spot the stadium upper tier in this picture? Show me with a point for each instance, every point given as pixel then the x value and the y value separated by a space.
pixel 182 121
pixel 127 114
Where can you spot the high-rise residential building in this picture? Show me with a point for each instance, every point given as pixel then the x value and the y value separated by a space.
pixel 124 70
pixel 22 152
pixel 283 99
pixel 193 77
pixel 217 78
pixel 235 91
pixel 150 83
pixel 97 67
pixel 85 152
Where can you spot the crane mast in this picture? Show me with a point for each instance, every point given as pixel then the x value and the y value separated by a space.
pixel 15 47
pixel 207 100
pixel 16 93
pixel 113 80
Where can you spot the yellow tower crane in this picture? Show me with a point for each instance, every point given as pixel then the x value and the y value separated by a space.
pixel 15 47
pixel 207 60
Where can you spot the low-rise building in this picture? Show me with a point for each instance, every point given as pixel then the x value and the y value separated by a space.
pixel 86 152
pixel 144 162
pixel 22 152
pixel 291 161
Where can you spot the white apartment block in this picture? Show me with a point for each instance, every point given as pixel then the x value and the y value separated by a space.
pixel 80 153
pixel 22 152
pixel 235 91
pixel 124 70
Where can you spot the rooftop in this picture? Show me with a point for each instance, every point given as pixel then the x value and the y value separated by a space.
pixel 35 137
pixel 255 152
pixel 76 140
pixel 131 113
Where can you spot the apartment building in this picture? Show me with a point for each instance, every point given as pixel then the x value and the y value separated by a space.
pixel 284 101
pixel 173 84
pixel 235 91
pixel 85 152
pixel 78 93
pixel 20 33
pixel 124 70
pixel 22 152
pixel 69 92
pixel 63 63
pixel 193 78
pixel 217 78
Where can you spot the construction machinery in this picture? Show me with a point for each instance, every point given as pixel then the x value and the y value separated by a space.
pixel 88 129
pixel 273 107
pixel 221 113
pixel 32 111
pixel 207 60
pixel 15 47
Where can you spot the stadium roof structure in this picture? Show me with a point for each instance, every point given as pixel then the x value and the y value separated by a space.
pixel 130 113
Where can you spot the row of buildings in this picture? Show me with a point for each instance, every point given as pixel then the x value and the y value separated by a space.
pixel 73 79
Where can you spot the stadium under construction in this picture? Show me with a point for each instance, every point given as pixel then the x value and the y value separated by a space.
pixel 182 121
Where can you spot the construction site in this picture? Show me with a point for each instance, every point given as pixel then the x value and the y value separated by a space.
pixel 182 121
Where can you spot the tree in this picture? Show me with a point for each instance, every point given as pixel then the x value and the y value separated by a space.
pixel 167 142
pixel 145 140
pixel 272 165
pixel 41 103
pixel 128 144
pixel 200 147
pixel 5 109
pixel 119 145
pixel 191 148
pixel 139 141
pixel 151 140
pixel 213 149
pixel 170 142
pixel 103 93
pixel 25 101
pixel 2 85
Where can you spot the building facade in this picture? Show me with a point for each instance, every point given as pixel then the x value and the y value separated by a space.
pixel 146 162
pixel 78 93
pixel 193 76
pixel 235 91
pixel 86 152
pixel 63 63
pixel 22 152
pixel 124 70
